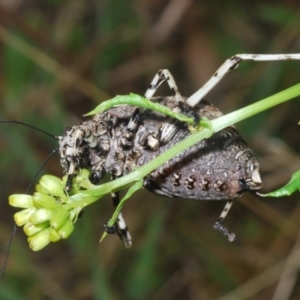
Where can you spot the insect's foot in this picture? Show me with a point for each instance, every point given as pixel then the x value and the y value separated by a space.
pixel 110 229
pixel 230 235
pixel 123 234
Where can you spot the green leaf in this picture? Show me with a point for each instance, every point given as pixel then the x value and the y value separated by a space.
pixel 292 186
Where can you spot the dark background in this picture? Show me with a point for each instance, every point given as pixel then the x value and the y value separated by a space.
pixel 59 59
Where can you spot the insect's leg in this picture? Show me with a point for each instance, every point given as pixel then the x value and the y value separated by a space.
pixel 120 227
pixel 168 129
pixel 162 76
pixel 158 79
pixel 219 224
pixel 98 172
pixel 231 64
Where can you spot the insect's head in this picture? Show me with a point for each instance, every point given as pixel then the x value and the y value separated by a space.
pixel 74 153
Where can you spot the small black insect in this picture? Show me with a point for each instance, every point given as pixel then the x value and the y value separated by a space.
pixel 120 139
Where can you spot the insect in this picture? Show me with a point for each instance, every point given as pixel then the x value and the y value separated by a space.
pixel 125 137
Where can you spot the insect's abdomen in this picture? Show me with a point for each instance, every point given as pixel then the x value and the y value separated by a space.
pixel 222 167
pixel 210 170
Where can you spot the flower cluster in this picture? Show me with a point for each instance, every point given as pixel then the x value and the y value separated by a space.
pixel 47 215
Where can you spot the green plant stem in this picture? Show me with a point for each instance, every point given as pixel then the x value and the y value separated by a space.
pixel 255 108
pixel 137 100
pixel 216 125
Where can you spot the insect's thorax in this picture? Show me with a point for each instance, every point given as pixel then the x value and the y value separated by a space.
pixel 221 167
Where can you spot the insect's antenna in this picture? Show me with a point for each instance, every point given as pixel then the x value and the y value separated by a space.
pixel 40 169
pixel 8 245
pixel 32 127
pixel 9 242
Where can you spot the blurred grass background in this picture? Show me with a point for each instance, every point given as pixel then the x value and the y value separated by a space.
pixel 59 59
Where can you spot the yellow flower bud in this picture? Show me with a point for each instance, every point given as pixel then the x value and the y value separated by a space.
pixel 52 185
pixel 41 189
pixel 32 229
pixel 65 230
pixel 59 218
pixel 20 200
pixel 54 236
pixel 42 200
pixel 22 217
pixel 39 240
pixel 40 215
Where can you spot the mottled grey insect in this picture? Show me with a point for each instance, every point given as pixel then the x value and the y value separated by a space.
pixel 120 139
